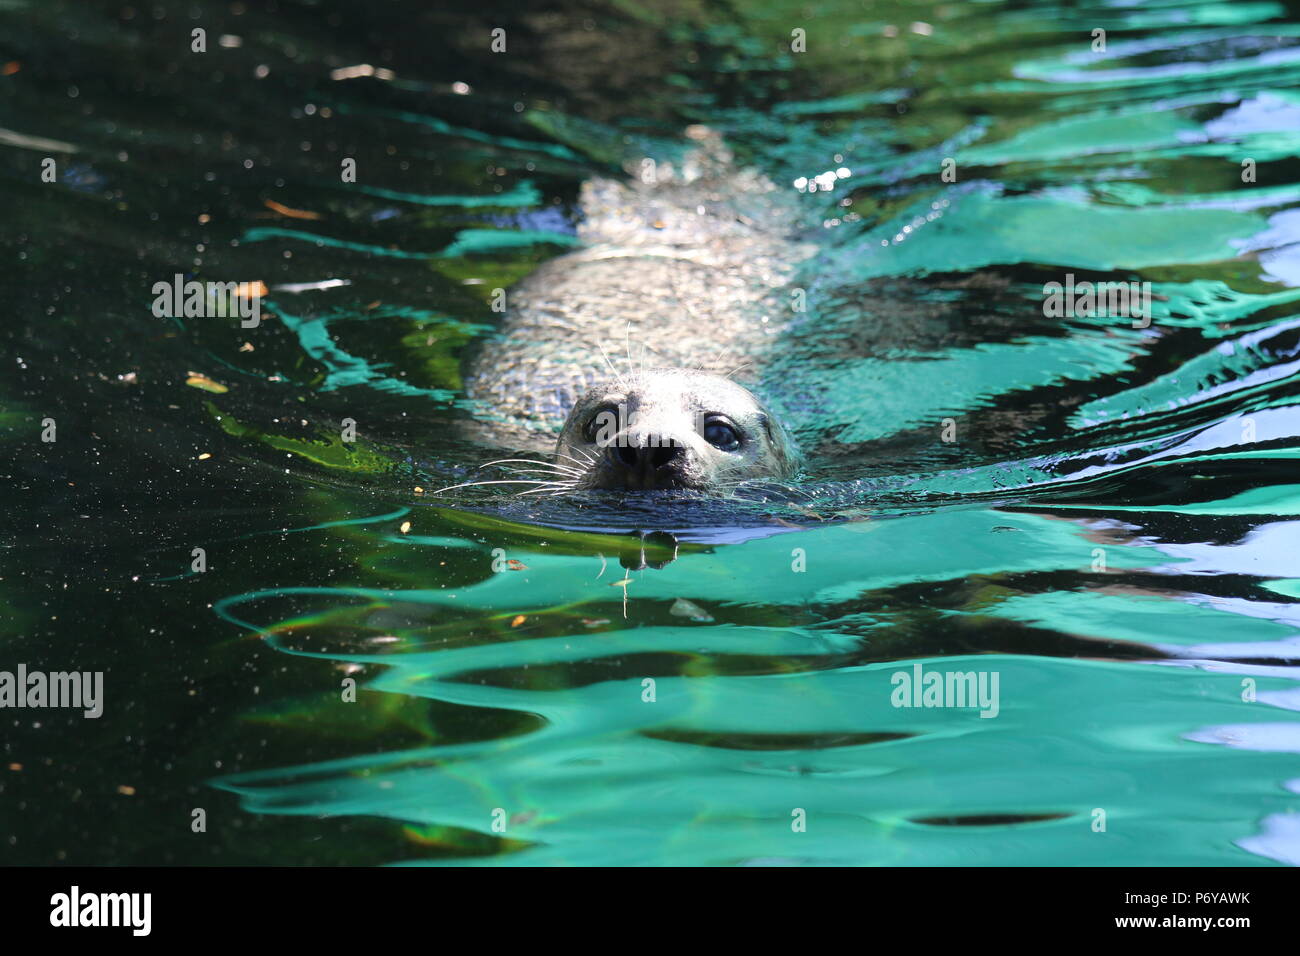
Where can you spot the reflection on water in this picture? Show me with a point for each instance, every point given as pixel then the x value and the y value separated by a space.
pixel 1098 512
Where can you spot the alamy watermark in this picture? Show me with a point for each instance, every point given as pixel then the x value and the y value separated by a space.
pixel 75 689
pixel 209 300
pixel 920 688
pixel 610 426
pixel 1124 300
pixel 130 910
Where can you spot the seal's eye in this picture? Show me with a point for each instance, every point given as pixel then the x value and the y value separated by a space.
pixel 601 426
pixel 721 435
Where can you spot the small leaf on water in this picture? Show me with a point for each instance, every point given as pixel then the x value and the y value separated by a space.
pixel 283 210
pixel 202 381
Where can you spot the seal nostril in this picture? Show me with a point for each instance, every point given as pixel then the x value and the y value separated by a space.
pixel 664 454
pixel 626 455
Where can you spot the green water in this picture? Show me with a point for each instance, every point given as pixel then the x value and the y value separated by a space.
pixel 1103 518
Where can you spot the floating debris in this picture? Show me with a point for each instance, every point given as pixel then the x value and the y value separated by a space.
pixel 360 70
pixel 684 608
pixel 197 380
pixel 289 211
pixel 251 290
pixel 296 287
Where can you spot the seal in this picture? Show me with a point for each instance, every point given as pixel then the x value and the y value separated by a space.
pixel 694 259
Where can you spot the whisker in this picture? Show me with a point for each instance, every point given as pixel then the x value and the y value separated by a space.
pixel 617 377
pixel 510 481
pixel 551 475
pixel 534 462
pixel 766 485
pixel 627 345
pixel 556 487
pixel 542 465
pixel 717 359
pixel 580 464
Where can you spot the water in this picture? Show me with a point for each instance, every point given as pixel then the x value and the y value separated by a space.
pixel 1101 517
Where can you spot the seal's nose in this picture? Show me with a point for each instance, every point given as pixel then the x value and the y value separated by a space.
pixel 649 457
pixel 649 463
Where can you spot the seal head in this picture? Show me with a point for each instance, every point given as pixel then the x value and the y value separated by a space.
pixel 673 428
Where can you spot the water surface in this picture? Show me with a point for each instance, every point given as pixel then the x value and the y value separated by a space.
pixel 1103 516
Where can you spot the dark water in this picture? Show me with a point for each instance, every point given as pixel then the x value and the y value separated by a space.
pixel 1098 513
